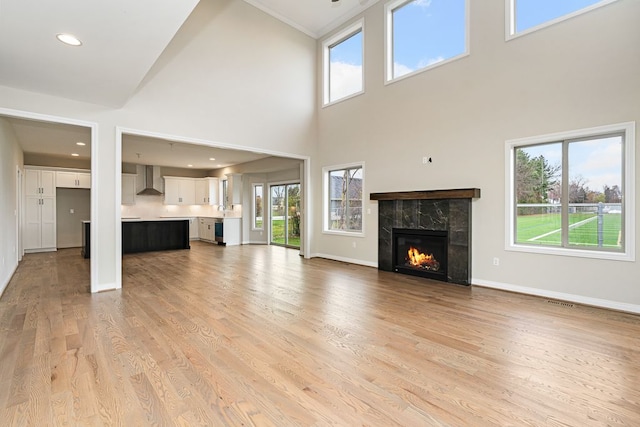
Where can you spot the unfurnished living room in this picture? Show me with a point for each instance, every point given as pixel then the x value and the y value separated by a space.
pixel 329 212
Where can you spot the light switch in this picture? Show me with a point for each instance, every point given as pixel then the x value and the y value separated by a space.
pixel 71 211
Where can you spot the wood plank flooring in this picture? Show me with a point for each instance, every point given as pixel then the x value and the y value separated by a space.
pixel 257 336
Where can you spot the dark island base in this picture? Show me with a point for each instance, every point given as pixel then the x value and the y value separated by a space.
pixel 146 236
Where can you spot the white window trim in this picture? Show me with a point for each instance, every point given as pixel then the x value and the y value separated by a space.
pixel 325 199
pixel 629 192
pixel 510 18
pixel 349 31
pixel 388 43
pixel 253 206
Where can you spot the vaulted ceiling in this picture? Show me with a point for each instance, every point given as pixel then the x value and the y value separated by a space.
pixel 121 41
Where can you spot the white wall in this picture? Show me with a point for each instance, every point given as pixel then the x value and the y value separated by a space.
pixel 10 159
pixel 580 73
pixel 68 224
pixel 232 76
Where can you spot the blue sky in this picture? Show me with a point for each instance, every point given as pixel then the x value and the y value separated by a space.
pixel 426 32
pixel 598 161
pixel 530 13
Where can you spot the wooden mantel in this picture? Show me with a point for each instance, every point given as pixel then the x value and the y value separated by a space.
pixel 460 193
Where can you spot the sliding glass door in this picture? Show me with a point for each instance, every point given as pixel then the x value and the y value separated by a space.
pixel 285 215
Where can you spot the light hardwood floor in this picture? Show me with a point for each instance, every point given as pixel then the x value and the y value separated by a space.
pixel 254 335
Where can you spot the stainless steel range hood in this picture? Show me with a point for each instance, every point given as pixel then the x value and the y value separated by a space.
pixel 151 185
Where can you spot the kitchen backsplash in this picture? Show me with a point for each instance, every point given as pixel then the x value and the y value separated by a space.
pixel 149 207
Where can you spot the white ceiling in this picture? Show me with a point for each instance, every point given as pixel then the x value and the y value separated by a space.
pixel 122 39
pixel 313 17
pixel 60 140
pixel 159 152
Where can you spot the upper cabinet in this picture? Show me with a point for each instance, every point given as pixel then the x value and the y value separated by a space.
pixel 66 179
pixel 179 191
pixel 40 183
pixel 206 191
pixel 128 189
pixel 234 189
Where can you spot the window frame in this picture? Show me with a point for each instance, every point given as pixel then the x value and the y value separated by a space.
pixel 223 193
pixel 326 199
pixel 253 206
pixel 628 192
pixel 388 43
pixel 510 18
pixel 327 44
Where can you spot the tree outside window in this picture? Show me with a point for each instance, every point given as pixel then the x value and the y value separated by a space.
pixel 345 199
pixel 569 193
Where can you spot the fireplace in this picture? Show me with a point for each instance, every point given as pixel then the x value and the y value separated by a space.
pixel 445 217
pixel 420 252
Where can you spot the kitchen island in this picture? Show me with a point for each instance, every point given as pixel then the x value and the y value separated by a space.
pixel 138 235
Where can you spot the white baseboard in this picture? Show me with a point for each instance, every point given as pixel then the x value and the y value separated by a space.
pixel 596 302
pixel 347 260
pixel 35 251
pixel 7 280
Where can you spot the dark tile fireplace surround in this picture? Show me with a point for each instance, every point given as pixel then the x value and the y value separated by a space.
pixel 447 212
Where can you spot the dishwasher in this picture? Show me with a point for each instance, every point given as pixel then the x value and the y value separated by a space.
pixel 219 227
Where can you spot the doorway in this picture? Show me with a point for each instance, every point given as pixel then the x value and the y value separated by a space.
pixel 284 226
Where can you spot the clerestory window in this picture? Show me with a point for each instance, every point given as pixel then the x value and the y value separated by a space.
pixel 422 34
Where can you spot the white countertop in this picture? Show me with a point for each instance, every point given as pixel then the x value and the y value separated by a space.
pixel 200 216
pixel 170 218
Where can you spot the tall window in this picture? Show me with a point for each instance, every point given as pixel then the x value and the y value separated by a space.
pixel 258 204
pixel 528 15
pixel 570 191
pixel 424 33
pixel 343 203
pixel 223 191
pixel 343 60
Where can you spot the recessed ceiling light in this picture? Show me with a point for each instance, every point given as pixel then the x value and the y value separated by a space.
pixel 212 158
pixel 190 166
pixel 69 39
pixel 75 154
pixel 82 144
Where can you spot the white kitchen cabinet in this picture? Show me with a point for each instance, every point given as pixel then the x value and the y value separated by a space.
pixel 194 229
pixel 206 191
pixel 179 191
pixel 40 210
pixel 234 189
pixel 128 189
pixel 231 231
pixel 66 179
pixel 206 229
pixel 202 192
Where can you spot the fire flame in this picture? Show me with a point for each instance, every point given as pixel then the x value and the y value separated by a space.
pixel 419 259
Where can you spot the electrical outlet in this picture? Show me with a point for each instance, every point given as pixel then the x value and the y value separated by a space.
pixel 425 160
pixel 496 261
pixel 72 211
pixel 368 211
